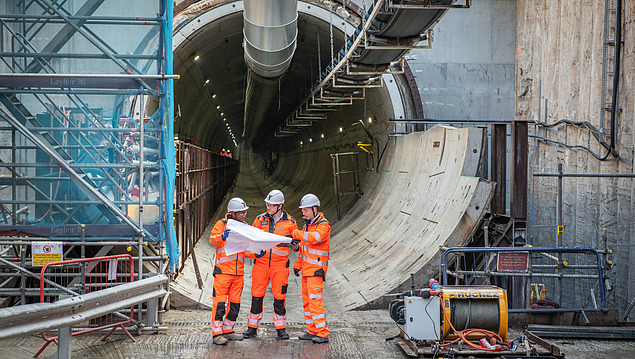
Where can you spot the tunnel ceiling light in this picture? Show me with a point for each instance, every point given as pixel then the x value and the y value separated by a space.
pixel 322 135
pixel 217 107
pixel 213 95
pixel 224 119
pixel 370 120
pixel 222 113
pixel 310 140
pixel 196 57
pixel 301 143
pixel 206 81
pixel 341 129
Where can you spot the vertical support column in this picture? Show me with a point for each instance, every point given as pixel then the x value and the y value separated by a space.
pixel 142 116
pixel 519 180
pixel 499 168
pixel 336 183
pixel 520 145
pixel 559 233
pixel 64 343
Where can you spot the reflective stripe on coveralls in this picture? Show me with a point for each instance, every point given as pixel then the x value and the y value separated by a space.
pixel 272 268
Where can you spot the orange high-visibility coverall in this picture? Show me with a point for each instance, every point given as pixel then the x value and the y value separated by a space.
pixel 228 282
pixel 274 267
pixel 313 261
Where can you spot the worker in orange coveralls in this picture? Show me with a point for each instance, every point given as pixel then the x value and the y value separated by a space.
pixel 273 266
pixel 228 276
pixel 313 261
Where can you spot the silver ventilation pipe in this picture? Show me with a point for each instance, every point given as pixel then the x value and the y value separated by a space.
pixel 270 29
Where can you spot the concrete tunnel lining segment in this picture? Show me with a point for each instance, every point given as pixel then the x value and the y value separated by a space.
pixel 388 233
pixel 426 194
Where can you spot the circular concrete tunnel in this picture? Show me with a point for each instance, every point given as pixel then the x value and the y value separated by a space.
pixel 425 192
pixel 210 100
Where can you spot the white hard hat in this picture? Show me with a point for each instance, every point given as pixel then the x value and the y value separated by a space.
pixel 275 197
pixel 236 204
pixel 309 200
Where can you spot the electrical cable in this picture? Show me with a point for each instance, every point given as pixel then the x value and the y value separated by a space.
pixel 436 335
pixel 462 335
pixel 540 138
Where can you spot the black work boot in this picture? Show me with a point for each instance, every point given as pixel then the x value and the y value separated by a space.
pixel 320 340
pixel 250 333
pixel 306 336
pixel 282 334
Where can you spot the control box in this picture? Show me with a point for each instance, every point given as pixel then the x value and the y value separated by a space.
pixel 423 318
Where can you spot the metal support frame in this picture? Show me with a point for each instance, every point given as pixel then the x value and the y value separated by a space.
pixel 427 4
pixel 533 270
pixel 354 173
pixel 83 166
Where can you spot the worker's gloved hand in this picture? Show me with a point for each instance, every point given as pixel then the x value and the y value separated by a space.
pixel 258 255
pixel 294 246
pixel 296 272
pixel 225 234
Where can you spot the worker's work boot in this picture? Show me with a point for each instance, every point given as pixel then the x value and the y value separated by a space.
pixel 282 334
pixel 219 340
pixel 306 336
pixel 320 340
pixel 250 333
pixel 233 336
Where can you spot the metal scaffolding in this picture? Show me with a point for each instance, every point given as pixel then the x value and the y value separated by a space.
pixel 87 153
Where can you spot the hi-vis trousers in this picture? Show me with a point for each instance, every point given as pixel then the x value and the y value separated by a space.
pixel 314 314
pixel 226 287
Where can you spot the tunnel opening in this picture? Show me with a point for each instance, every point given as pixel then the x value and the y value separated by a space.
pixel 210 97
pixel 426 191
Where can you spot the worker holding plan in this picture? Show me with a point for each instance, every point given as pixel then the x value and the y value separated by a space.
pixel 272 267
pixel 228 274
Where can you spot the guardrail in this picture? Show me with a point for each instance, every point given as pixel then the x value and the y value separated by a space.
pixel 68 312
pixel 558 268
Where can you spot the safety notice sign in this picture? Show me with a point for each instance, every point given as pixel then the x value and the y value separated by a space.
pixel 46 252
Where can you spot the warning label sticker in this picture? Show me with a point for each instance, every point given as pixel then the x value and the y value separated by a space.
pixel 46 252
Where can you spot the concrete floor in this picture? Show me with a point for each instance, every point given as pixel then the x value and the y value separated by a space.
pixel 356 334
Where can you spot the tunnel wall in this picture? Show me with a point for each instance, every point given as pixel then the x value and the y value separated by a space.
pixel 559 77
pixel 426 195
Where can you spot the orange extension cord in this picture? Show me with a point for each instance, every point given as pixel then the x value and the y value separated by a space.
pixel 462 335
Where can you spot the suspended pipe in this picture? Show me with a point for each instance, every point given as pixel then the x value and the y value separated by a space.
pixel 270 31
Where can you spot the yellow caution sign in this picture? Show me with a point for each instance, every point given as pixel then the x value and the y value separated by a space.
pixel 46 252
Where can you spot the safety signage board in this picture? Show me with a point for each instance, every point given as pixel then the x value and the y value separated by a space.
pixel 46 252
pixel 513 261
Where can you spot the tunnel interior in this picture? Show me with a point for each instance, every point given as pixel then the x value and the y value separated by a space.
pixel 210 107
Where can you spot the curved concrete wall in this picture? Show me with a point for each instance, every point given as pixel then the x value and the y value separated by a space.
pixel 426 194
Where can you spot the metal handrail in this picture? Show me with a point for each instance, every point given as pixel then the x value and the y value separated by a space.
pixel 599 276
pixel 38 317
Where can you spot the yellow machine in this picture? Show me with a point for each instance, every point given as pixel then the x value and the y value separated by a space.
pixel 429 314
pixel 482 307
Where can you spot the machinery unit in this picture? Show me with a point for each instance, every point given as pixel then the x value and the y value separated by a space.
pixel 425 312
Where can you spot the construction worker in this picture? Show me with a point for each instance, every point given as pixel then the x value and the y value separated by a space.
pixel 272 267
pixel 228 276
pixel 313 261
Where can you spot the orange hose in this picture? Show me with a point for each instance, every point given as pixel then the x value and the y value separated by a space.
pixel 462 335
